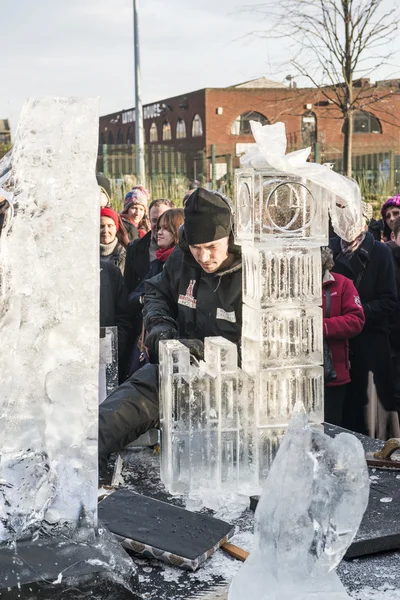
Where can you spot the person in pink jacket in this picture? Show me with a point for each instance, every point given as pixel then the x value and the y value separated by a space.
pixel 343 319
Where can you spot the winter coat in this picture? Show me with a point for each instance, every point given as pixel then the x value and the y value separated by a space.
pixel 196 303
pixel 394 322
pixel 114 309
pixel 131 230
pixel 137 263
pixel 346 321
pixel 135 305
pixel 372 271
pixel 117 257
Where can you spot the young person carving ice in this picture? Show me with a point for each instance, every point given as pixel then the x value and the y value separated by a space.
pixel 198 294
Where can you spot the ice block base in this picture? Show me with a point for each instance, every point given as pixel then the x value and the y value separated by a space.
pixel 42 570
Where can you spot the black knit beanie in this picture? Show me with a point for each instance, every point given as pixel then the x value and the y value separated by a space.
pixel 207 217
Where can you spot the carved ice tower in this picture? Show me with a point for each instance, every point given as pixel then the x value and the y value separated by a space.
pixel 281 223
pixel 222 425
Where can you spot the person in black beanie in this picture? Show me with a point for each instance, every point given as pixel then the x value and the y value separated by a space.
pixel 198 294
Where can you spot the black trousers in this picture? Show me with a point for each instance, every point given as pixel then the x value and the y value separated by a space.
pixel 128 412
pixel 334 402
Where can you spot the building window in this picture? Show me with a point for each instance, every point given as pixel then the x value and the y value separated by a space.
pixel 110 137
pixel 197 126
pixel 129 135
pixel 153 133
pixel 102 139
pixel 120 137
pixel 166 131
pixel 241 125
pixel 308 129
pixel 180 129
pixel 365 122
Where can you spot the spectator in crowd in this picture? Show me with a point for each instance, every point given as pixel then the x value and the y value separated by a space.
pixel 114 310
pixel 394 323
pixel 343 319
pixel 369 403
pixel 390 211
pixel 197 294
pixel 167 239
pixel 113 238
pixel 134 215
pixel 140 253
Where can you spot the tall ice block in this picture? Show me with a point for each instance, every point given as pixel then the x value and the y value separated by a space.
pixel 235 417
pixel 49 323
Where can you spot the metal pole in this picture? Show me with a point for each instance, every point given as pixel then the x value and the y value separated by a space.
pixel 213 168
pixel 139 132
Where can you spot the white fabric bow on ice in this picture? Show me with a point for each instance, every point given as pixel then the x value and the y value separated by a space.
pixel 343 197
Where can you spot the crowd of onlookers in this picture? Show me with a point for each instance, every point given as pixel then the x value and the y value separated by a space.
pixel 361 282
pixel 361 302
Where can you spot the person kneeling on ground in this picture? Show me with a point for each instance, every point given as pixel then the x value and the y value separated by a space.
pixel 198 294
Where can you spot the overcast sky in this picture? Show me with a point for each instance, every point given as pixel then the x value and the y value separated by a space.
pixel 85 48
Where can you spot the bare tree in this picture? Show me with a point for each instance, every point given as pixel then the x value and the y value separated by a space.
pixel 334 43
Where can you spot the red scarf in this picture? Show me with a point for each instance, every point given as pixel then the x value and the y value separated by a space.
pixel 163 253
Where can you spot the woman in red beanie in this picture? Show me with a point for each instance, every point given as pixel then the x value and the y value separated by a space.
pixel 113 238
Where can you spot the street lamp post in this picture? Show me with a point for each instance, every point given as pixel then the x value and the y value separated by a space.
pixel 139 131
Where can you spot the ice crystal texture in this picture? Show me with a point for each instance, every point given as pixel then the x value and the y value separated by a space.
pixel 49 321
pixel 310 510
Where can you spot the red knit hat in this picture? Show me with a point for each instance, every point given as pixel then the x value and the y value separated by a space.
pixel 109 212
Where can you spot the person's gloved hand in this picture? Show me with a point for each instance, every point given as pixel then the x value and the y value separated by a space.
pixel 160 331
pixel 196 348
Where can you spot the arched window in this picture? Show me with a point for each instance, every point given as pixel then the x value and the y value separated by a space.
pixel 241 125
pixel 120 137
pixel 102 140
pixel 166 131
pixel 365 122
pixel 110 137
pixel 129 135
pixel 180 129
pixel 308 128
pixel 197 126
pixel 153 133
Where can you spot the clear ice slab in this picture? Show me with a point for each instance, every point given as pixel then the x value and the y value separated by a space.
pixel 49 321
pixel 312 505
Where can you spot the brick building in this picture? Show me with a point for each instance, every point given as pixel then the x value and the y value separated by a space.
pixel 188 125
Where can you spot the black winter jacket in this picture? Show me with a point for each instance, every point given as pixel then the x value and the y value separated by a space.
pixel 114 310
pixel 371 269
pixel 135 305
pixel 137 262
pixel 196 303
pixel 394 323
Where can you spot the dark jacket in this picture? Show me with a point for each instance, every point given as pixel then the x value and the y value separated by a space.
pixel 372 271
pixel 131 230
pixel 394 322
pixel 196 303
pixel 346 321
pixel 137 263
pixel 135 305
pixel 114 309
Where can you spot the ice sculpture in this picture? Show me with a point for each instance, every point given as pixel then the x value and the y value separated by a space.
pixel 311 507
pixel 222 426
pixel 49 367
